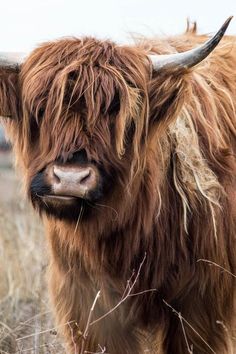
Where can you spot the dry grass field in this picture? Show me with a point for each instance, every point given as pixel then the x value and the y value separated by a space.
pixel 26 322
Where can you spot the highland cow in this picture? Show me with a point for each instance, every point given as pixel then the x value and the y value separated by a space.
pixel 128 154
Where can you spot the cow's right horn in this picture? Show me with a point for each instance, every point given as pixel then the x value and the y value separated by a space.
pixel 11 59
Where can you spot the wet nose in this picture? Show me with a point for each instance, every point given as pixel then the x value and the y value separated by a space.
pixel 65 175
pixel 74 181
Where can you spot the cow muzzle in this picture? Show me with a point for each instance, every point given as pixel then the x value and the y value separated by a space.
pixel 71 181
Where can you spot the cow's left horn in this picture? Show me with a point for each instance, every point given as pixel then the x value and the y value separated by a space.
pixel 11 59
pixel 191 57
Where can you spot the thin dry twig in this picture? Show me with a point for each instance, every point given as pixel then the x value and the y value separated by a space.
pixel 90 314
pixel 45 331
pixel 85 334
pixel 182 319
pixel 73 339
pixel 102 350
pixel 127 292
pixel 79 218
pixel 216 265
pixel 225 328
pixel 33 348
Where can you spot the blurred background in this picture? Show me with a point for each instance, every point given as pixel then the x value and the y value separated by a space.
pixel 26 321
pixel 26 23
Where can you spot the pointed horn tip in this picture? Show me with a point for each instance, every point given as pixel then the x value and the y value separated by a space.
pixel 213 41
pixel 229 19
pixel 226 23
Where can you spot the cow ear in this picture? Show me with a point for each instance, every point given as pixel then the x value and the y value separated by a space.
pixel 167 92
pixel 9 93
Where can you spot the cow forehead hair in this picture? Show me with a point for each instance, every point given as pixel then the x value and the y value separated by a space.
pixel 60 74
pixel 65 56
pixel 87 63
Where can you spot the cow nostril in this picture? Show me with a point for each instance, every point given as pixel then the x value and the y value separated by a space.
pixel 85 178
pixel 56 176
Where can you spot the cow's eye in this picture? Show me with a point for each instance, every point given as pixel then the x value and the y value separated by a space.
pixel 78 156
pixel 34 129
pixel 73 157
pixel 40 114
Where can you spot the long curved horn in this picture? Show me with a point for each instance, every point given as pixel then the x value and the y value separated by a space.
pixel 11 59
pixel 191 57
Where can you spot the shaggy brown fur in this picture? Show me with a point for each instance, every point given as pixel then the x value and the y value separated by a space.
pixel 171 148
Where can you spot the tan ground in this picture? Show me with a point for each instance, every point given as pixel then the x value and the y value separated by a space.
pixel 24 305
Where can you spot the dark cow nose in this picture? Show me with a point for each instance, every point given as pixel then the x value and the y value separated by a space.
pixel 73 180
